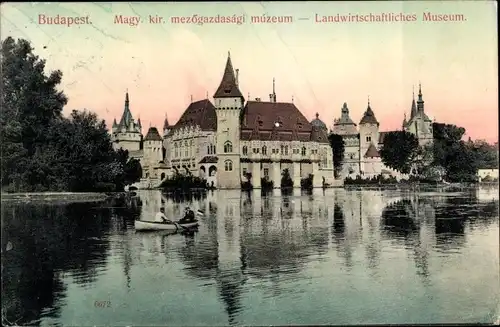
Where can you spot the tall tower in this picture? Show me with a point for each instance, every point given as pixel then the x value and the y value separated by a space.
pixel 127 133
pixel 228 102
pixel 419 124
pixel 368 133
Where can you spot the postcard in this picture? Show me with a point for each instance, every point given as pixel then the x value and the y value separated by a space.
pixel 249 163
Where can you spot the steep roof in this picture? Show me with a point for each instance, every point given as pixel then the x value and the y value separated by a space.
pixel 344 119
pixel 200 113
pixel 318 122
pixel 127 115
pixel 278 121
pixel 228 87
pixel 369 116
pixel 372 152
pixel 166 124
pixel 153 135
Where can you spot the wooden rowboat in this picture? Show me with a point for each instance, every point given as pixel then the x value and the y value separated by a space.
pixel 141 225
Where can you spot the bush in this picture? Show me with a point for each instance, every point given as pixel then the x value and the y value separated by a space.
pixel 266 184
pixel 184 182
pixel 307 182
pixel 286 179
pixel 247 185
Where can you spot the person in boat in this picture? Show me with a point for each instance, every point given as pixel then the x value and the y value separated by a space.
pixel 188 215
pixel 160 216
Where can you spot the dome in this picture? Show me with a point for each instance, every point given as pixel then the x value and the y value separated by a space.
pixel 318 122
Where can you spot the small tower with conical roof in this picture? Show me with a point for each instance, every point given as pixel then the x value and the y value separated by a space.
pixel 127 133
pixel 368 133
pixel 153 148
pixel 228 101
pixel 166 126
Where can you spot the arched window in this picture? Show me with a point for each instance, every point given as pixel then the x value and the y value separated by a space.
pixel 245 150
pixel 176 152
pixel 282 149
pixel 303 150
pixel 228 147
pixel 264 150
pixel 208 149
pixel 286 150
pixel 228 165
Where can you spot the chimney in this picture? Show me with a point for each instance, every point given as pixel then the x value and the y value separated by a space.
pixel 237 75
pixel 257 99
pixel 271 98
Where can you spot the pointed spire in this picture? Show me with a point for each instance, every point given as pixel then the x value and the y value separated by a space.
pixel 369 115
pixel 228 87
pixel 420 102
pixel 166 124
pixel 139 124
pixel 191 98
pixel 127 115
pixel 114 123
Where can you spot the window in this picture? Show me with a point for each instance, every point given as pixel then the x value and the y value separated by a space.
pixel 303 150
pixel 368 139
pixel 228 165
pixel 264 150
pixel 245 150
pixel 266 172
pixel 244 171
pixel 211 149
pixel 228 147
pixel 286 150
pixel 282 149
pixel 255 150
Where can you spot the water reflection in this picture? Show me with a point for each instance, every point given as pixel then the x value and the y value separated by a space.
pixel 49 242
pixel 246 244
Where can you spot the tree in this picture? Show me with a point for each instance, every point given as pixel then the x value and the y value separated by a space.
pixel 486 154
pixel 338 149
pixel 41 149
pixel 286 179
pixel 30 102
pixel 458 158
pixel 400 151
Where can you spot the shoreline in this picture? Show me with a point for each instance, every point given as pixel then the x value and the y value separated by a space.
pixel 54 196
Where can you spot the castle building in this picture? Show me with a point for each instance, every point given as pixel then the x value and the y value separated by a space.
pixel 230 140
pixel 362 146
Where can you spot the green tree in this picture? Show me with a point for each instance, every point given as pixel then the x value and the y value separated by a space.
pixel 458 159
pixel 338 149
pixel 286 179
pixel 400 151
pixel 41 149
pixel 30 102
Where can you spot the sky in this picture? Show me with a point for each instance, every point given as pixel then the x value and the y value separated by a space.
pixel 318 65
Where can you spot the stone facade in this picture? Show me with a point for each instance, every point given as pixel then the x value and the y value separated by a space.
pixel 362 146
pixel 225 140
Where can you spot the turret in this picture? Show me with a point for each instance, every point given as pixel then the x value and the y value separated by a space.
pixel 127 133
pixel 228 101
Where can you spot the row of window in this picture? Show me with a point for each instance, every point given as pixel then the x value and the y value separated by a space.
pixel 284 150
pixel 228 148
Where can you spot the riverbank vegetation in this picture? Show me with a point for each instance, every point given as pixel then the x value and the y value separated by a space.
pixel 184 182
pixel 449 158
pixel 42 150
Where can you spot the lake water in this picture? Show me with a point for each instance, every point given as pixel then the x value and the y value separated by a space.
pixel 331 257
